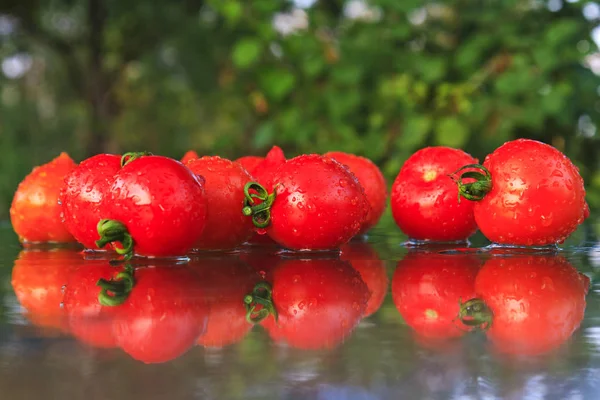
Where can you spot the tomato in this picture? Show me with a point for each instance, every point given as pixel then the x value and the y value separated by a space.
pixel 249 162
pixel 189 156
pixel 528 194
pixel 318 302
pixel 83 193
pixel 164 315
pixel 531 304
pixel 428 288
pixel 35 213
pixel 155 206
pixel 226 226
pixel 263 260
pixel 424 200
pixel 226 281
pixel 372 181
pixel 317 204
pixel 372 270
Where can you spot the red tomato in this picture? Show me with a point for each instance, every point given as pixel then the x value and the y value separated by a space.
pixel 35 213
pixel 189 156
pixel 82 195
pixel 533 195
pixel 534 302
pixel 318 302
pixel 164 315
pixel 226 226
pixel 372 181
pixel 428 288
pixel 226 282
pixel 157 202
pixel 366 261
pixel 249 162
pixel 425 201
pixel 317 204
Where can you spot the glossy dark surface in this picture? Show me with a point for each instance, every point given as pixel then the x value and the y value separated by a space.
pixel 151 350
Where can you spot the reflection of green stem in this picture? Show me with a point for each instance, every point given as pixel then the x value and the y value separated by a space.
pixel 261 213
pixel 474 191
pixel 476 313
pixel 110 231
pixel 262 295
pixel 115 291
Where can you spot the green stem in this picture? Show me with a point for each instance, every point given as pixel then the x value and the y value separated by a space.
pixel 474 191
pixel 133 155
pixel 261 212
pixel 115 291
pixel 262 295
pixel 476 313
pixel 110 231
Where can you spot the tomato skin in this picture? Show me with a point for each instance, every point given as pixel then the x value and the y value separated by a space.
pixel 424 199
pixel 189 156
pixel 226 226
pixel 82 195
pixel 319 302
pixel 249 163
pixel 319 205
pixel 427 289
pixel 162 204
pixel 537 302
pixel 366 261
pixel 537 195
pixel 372 181
pixel 35 213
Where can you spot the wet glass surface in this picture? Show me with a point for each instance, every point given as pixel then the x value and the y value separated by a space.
pixel 378 322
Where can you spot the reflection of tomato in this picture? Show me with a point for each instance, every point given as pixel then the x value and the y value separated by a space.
pixel 366 261
pixel 163 316
pixel 318 301
pixel 427 289
pixel 535 302
pixel 38 278
pixel 226 281
pixel 262 260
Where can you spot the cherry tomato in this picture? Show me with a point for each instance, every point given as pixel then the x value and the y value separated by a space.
pixel 425 201
pixel 318 302
pixel 155 206
pixel 226 282
pixel 428 288
pixel 226 226
pixel 83 193
pixel 317 204
pixel 164 315
pixel 249 162
pixel 531 304
pixel 35 213
pixel 189 156
pixel 372 181
pixel 366 261
pixel 528 193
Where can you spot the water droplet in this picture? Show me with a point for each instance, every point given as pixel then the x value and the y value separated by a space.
pixel 557 173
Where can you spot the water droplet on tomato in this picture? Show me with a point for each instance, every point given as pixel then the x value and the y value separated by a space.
pixel 343 182
pixel 261 231
pixel 558 173
pixel 546 220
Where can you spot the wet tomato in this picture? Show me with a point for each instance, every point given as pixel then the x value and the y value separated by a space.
pixel 527 193
pixel 372 181
pixel 189 156
pixel 317 204
pixel 249 162
pixel 530 304
pixel 424 200
pixel 83 193
pixel 314 303
pixel 226 227
pixel 366 261
pixel 428 288
pixel 35 213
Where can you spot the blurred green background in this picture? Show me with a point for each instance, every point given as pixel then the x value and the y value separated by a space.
pixel 233 77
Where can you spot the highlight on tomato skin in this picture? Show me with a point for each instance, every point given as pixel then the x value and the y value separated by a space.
pixel 428 288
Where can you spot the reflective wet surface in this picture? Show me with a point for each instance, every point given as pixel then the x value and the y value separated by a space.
pixel 381 320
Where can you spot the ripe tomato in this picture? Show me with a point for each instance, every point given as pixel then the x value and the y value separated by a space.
pixel 226 226
pixel 164 315
pixel 155 206
pixel 532 195
pixel 532 303
pixel 83 193
pixel 428 288
pixel 35 213
pixel 189 156
pixel 249 162
pixel 317 302
pixel 372 270
pixel 372 181
pixel 226 281
pixel 317 204
pixel 425 201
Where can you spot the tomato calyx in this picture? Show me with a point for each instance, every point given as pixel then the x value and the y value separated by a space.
pixel 474 191
pixel 115 291
pixel 261 213
pixel 133 155
pixel 110 231
pixel 259 304
pixel 475 313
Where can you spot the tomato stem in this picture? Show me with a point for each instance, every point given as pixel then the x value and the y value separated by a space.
pixel 110 231
pixel 476 313
pixel 262 295
pixel 133 155
pixel 120 286
pixel 476 190
pixel 261 212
